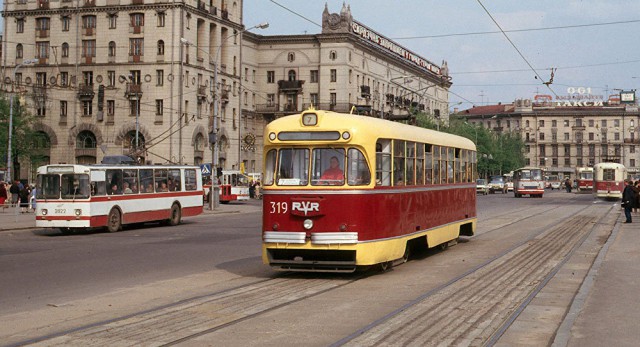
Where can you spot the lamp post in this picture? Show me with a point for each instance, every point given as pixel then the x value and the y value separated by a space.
pixel 215 188
pixel 135 86
pixel 9 154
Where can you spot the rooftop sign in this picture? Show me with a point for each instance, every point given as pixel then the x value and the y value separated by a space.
pixel 391 46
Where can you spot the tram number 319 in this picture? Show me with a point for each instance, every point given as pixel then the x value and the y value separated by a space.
pixel 279 207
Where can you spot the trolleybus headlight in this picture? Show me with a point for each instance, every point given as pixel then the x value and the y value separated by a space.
pixel 272 136
pixel 44 211
pixel 78 211
pixel 346 135
pixel 307 224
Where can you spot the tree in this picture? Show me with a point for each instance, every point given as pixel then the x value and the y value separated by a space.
pixel 23 136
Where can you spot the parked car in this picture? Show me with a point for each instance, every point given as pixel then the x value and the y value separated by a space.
pixel 556 185
pixel 496 184
pixel 482 187
pixel 509 186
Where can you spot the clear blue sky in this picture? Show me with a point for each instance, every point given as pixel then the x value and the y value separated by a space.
pixel 592 43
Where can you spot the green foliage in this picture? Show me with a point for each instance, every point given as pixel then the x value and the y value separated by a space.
pixel 24 138
pixel 497 152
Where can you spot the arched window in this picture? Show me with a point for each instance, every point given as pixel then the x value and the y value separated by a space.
pixel 291 56
pixel 292 75
pixel 112 48
pixel 129 141
pixel 41 140
pixel 86 139
pixel 333 55
pixel 65 50
pixel 19 51
pixel 199 143
pixel 160 47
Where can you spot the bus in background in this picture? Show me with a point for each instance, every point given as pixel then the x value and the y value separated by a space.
pixel 528 181
pixel 554 182
pixel 77 197
pixel 584 177
pixel 343 192
pixel 234 186
pixel 608 180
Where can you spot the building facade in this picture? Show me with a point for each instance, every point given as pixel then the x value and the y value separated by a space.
pixel 561 136
pixel 105 68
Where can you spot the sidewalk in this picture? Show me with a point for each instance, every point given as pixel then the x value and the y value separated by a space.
pixel 12 219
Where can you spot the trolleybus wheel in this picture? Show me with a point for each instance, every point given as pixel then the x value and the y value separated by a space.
pixel 65 231
pixel 176 215
pixel 114 221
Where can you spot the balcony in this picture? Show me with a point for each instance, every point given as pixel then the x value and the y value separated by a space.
pixel 42 33
pixel 213 10
pixel 579 127
pixel 365 91
pixel 290 86
pixel 224 14
pixel 201 5
pixel 389 98
pixel 43 4
pixel 133 91
pixel 633 141
pixel 85 92
pixel 202 92
pixel 136 29
pixel 267 108
pixel 88 31
pixel 224 97
pixel 136 58
pixel 137 2
pixel 86 152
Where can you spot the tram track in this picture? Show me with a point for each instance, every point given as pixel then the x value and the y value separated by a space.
pixel 476 307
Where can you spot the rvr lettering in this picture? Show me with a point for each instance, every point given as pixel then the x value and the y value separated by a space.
pixel 305 206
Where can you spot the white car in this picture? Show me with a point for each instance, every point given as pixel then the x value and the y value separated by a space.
pixel 482 187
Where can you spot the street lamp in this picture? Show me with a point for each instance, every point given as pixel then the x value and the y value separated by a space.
pixel 138 91
pixel 215 188
pixel 9 155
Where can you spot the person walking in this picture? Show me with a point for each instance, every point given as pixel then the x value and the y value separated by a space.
pixel 567 185
pixel 628 200
pixel 15 191
pixel 24 199
pixel 32 198
pixel 636 189
pixel 3 193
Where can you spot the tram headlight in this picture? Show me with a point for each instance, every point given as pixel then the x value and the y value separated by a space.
pixel 78 211
pixel 343 227
pixel 346 135
pixel 44 211
pixel 307 224
pixel 272 136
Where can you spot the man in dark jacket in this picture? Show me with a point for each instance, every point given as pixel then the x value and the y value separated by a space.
pixel 628 200
pixel 15 191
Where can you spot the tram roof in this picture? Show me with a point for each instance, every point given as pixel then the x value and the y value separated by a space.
pixel 369 128
pixel 608 165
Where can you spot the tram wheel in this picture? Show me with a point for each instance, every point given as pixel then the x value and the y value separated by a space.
pixel 114 221
pixel 385 266
pixel 176 215
pixel 407 253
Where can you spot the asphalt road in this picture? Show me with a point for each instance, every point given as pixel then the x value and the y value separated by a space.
pixel 204 279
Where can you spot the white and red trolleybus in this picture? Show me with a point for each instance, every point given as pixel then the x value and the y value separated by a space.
pixel 528 181
pixel 584 176
pixel 73 197
pixel 234 186
pixel 608 180
pixel 342 191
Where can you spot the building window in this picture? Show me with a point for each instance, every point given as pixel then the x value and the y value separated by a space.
pixel 632 162
pixel 246 74
pixel 314 76
pixel 632 149
pixel 19 51
pixel 42 50
pixel 314 99
pixel 616 136
pixel 591 136
pixel 161 19
pixel 603 123
pixel 20 25
pixel 160 47
pixel 63 108
pixel 292 75
pixel 271 99
pixel 554 123
pixel 111 78
pixel 578 122
pixel 64 78
pixel 66 23
pixel 541 123
pixel 89 48
pixel 616 123
pixel 333 55
pixel 566 136
pixel 111 108
pixel 541 136
pixel 136 47
pixel 334 75
pixel 526 123
pixel 253 76
pixel 43 23
pixel 65 50
pixel 159 77
pixel 88 22
pixel 112 49
pixel 291 57
pixel 113 20
pixel 87 108
pixel 137 19
pixel 527 149
pixel 591 123
pixel 333 98
pixel 271 77
pixel 159 107
pixel 567 150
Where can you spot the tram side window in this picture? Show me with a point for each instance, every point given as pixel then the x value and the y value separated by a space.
pixel 410 163
pixel 383 162
pixel 190 181
pixel 174 180
pixel 474 166
pixel 269 167
pixel 114 181
pixel 463 165
pixel 130 185
pixel 358 172
pixel 293 167
pixel 398 162
pixel 436 164
pixel 160 178
pixel 450 165
pixel 458 165
pixel 428 163
pixel 75 186
pixel 146 181
pixel 327 166
pixel 419 163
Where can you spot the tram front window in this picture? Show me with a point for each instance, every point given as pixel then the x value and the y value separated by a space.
pixel 328 166
pixel 293 167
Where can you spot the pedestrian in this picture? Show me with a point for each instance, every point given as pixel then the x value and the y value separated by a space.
pixel 252 190
pixel 628 200
pixel 3 193
pixel 15 191
pixel 636 190
pixel 33 198
pixel 24 199
pixel 257 190
pixel 567 185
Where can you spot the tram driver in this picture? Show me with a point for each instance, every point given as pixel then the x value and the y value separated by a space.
pixel 334 174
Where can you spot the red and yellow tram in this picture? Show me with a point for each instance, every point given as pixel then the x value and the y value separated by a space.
pixel 584 176
pixel 344 191
pixel 608 180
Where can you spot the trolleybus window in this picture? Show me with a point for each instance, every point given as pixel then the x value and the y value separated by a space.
pixel 174 180
pixel 146 181
pixel 98 184
pixel 160 177
pixel 75 186
pixel 49 186
pixel 293 167
pixel 269 167
pixel 130 185
pixel 114 180
pixel 190 182
pixel 328 166
pixel 358 171
pixel 383 162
